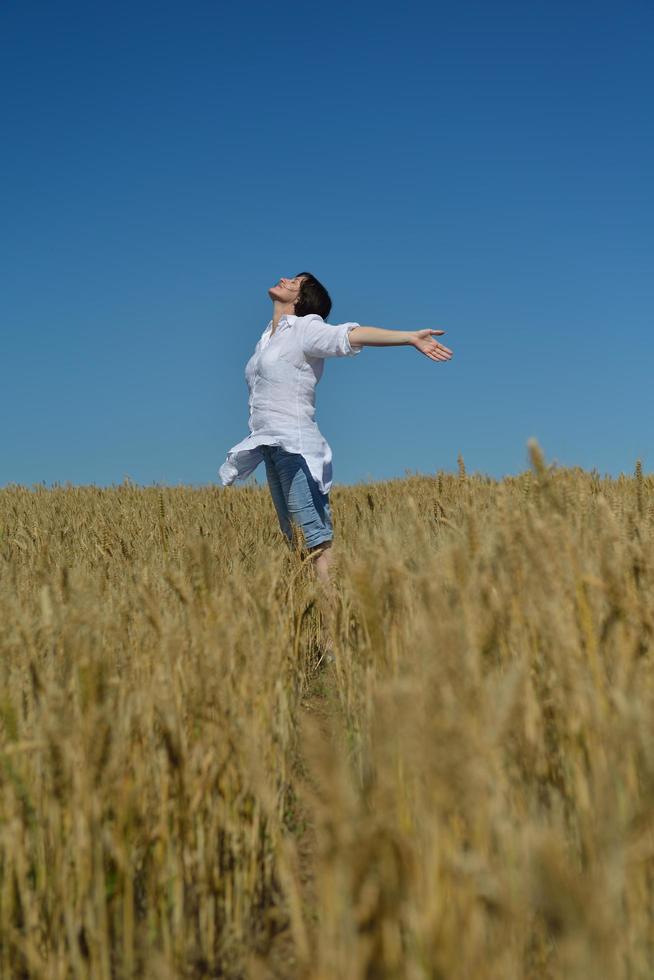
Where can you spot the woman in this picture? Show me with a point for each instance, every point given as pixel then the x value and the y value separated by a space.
pixel 282 375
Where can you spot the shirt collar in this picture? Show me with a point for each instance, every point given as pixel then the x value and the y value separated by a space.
pixel 286 319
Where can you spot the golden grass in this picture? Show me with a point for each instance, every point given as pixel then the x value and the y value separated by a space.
pixel 477 771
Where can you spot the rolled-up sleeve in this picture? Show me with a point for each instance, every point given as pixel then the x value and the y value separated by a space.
pixel 321 339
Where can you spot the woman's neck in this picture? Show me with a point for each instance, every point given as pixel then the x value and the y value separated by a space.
pixel 279 310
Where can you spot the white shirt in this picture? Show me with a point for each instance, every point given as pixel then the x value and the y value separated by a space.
pixel 282 375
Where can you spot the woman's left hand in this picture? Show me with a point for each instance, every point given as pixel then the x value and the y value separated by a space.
pixel 423 341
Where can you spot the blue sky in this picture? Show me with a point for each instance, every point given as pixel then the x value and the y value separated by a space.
pixel 483 168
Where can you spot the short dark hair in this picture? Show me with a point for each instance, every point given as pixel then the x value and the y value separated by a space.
pixel 313 297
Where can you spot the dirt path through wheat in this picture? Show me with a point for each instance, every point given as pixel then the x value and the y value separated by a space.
pixel 320 707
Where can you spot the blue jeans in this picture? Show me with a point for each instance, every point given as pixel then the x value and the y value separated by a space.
pixel 297 497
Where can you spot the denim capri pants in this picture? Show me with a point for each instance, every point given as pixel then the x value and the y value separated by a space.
pixel 297 497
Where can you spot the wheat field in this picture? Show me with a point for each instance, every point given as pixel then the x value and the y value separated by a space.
pixel 467 794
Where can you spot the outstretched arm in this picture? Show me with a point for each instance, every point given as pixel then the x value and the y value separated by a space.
pixel 420 339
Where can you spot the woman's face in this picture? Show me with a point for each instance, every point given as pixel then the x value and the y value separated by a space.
pixel 286 290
